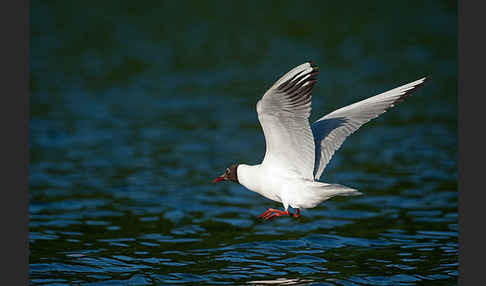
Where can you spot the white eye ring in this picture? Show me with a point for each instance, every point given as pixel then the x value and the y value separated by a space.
pixel 227 171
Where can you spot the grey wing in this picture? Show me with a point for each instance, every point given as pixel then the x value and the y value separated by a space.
pixel 283 112
pixel 331 130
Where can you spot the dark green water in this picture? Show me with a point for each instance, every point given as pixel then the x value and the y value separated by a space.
pixel 137 105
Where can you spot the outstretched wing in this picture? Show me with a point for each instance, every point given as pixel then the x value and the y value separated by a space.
pixel 331 130
pixel 283 112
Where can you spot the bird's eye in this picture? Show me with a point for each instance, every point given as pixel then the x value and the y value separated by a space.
pixel 227 171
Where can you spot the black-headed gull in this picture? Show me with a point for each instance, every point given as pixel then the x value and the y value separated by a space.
pixel 297 152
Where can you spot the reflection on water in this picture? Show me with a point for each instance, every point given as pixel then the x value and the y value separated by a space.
pixel 279 281
pixel 134 109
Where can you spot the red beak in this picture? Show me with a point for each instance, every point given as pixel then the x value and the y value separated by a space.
pixel 218 179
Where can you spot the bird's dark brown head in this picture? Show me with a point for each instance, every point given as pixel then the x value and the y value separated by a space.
pixel 228 175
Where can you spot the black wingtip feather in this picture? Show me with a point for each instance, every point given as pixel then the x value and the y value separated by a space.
pixel 411 91
pixel 293 87
pixel 312 65
pixel 284 84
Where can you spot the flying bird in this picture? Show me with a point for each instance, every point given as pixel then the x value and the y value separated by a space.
pixel 297 152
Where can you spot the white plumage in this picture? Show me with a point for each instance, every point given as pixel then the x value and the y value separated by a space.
pixel 297 152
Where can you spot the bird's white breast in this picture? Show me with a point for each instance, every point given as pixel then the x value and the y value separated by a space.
pixel 261 180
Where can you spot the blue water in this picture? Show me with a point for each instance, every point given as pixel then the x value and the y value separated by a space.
pixel 137 106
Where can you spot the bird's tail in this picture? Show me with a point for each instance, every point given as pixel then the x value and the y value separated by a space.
pixel 332 190
pixel 317 192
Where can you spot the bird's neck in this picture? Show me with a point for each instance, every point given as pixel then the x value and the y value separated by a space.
pixel 249 176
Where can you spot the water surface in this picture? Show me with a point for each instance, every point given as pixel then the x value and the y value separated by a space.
pixel 135 107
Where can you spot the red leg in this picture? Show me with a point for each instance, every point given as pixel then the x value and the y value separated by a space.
pixel 296 215
pixel 275 213
pixel 272 213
